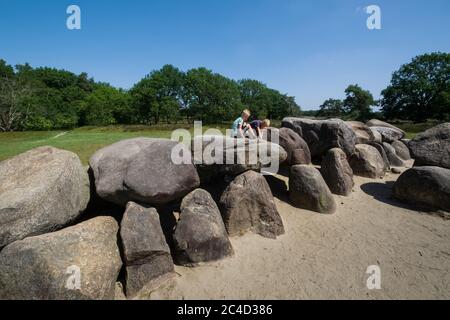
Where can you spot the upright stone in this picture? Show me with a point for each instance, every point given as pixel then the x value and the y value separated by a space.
pixel 147 255
pixel 248 204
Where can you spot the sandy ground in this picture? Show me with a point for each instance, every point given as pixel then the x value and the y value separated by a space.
pixel 327 256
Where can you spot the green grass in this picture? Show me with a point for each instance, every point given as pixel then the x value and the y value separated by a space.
pixel 86 140
pixel 83 141
pixel 412 129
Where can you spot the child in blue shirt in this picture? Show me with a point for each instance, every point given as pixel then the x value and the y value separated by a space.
pixel 240 125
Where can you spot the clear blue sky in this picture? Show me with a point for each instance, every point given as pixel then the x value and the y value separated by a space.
pixel 309 49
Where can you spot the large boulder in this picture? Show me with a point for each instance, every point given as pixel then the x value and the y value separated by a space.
pixel 394 159
pixel 389 134
pixel 323 135
pixel 432 147
pixel 367 162
pixel 200 234
pixel 337 172
pixel 79 262
pixel 380 148
pixel 364 135
pixel 427 185
pixel 379 123
pixel 377 136
pixel 296 148
pixel 142 170
pixel 248 204
pixel 216 156
pixel 146 252
pixel 308 190
pixel 41 191
pixel 401 149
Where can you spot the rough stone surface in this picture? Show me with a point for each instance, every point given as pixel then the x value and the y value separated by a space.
pixel 41 191
pixel 432 147
pixel 377 136
pixel 427 185
pixel 388 134
pixel 367 162
pixel 379 123
pixel 401 150
pixel 379 147
pixel 146 252
pixel 394 159
pixel 364 135
pixel 45 267
pixel 142 170
pixel 200 234
pixel 308 190
pixel 296 148
pixel 337 172
pixel 323 135
pixel 217 156
pixel 248 204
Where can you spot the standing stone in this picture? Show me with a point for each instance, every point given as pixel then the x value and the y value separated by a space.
pixel 379 147
pixel 401 150
pixel 432 147
pixel 377 136
pixel 364 135
pixel 248 204
pixel 323 135
pixel 200 234
pixel 76 263
pixel 147 255
pixel 394 159
pixel 41 190
pixel 388 134
pixel 296 148
pixel 308 190
pixel 367 162
pixel 427 185
pixel 378 123
pixel 142 170
pixel 337 172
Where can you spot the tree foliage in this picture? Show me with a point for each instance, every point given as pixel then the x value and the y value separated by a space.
pixel 47 98
pixel 419 90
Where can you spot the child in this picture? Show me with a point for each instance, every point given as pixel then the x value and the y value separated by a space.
pixel 240 125
pixel 258 125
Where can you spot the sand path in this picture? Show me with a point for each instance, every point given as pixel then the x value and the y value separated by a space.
pixel 327 256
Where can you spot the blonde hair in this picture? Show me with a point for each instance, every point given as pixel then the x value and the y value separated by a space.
pixel 246 112
pixel 267 122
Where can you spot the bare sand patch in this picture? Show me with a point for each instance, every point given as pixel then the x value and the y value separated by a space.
pixel 326 256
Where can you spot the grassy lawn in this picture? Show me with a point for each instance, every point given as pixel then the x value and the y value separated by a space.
pixel 83 141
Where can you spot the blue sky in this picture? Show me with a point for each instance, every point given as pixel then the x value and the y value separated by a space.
pixel 308 49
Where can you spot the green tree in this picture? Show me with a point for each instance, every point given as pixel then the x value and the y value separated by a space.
pixel 211 97
pixel 105 106
pixel 420 89
pixel 159 95
pixel 332 108
pixel 358 103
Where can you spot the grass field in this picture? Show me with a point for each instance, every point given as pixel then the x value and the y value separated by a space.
pixel 82 141
pixel 86 140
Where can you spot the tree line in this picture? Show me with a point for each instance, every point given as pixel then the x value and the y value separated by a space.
pixel 418 91
pixel 46 99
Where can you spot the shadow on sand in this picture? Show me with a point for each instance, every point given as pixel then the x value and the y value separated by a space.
pixel 382 191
